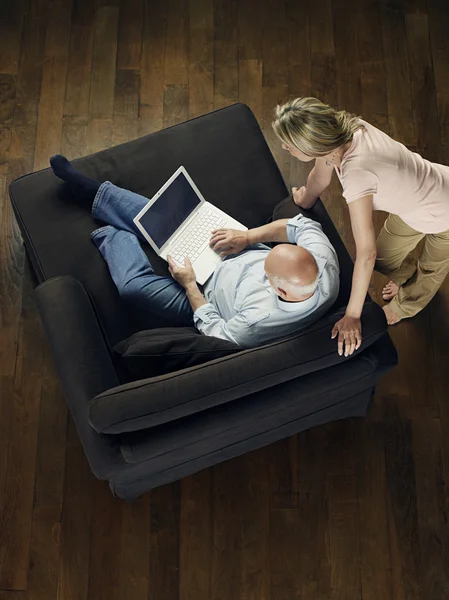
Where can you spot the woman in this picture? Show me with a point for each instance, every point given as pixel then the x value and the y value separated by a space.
pixel 376 173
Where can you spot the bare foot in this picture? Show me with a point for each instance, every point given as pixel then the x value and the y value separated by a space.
pixel 390 291
pixel 392 317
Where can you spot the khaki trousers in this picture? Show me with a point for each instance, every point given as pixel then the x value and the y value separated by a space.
pixel 419 280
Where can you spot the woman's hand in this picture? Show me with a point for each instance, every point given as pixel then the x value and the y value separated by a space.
pixel 300 197
pixel 349 331
pixel 228 241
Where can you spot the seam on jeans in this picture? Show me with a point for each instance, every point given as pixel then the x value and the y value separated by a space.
pixel 98 196
pixel 100 229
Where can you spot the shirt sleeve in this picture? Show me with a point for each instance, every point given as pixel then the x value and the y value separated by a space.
pixel 238 329
pixel 309 234
pixel 358 183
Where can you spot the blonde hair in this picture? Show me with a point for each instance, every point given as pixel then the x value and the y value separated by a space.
pixel 312 127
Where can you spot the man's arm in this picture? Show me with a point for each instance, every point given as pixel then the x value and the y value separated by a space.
pixel 194 296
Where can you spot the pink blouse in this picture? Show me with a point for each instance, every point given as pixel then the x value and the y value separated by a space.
pixel 401 181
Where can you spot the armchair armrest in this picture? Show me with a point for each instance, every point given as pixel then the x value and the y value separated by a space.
pixel 151 402
pixel 82 359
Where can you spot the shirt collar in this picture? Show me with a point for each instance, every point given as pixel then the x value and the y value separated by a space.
pixel 293 306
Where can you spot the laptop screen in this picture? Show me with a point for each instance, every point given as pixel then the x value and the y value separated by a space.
pixel 170 210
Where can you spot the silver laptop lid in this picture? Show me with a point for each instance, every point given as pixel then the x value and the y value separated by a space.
pixel 169 209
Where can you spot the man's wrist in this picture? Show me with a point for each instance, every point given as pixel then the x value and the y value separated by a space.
pixel 194 295
pixel 191 286
pixel 249 240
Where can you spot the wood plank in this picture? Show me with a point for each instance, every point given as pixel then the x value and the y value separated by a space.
pixel 283 462
pixel 105 548
pixel 201 47
pixel 176 104
pixel 321 27
pixel 201 65
pixel 195 537
pixel 80 59
pixel 313 513
pixel 51 102
pixel 431 504
pixel 285 532
pixel 31 56
pixel 372 508
pixel 294 171
pixel 103 63
pixel 255 531
pixel 99 135
pixel 7 99
pixel 11 22
pixel 438 16
pixel 152 66
pixel 21 342
pixel 398 73
pixel 43 580
pixel 344 541
pixel 17 494
pixel 126 97
pixel 424 103
pixel 130 34
pixel 226 67
pixel 250 29
pixel 164 542
pixel 5 144
pixel 274 44
pixel 250 86
pixel 323 67
pixel 176 49
pixel 151 119
pixel 299 52
pixel 274 75
pixel 76 521
pixel 135 549
pixel 74 137
pixel 271 97
pixel 201 89
pixel 346 54
pixel 227 481
pixel 126 106
pixel 341 484
pixel 401 503
pixel 349 93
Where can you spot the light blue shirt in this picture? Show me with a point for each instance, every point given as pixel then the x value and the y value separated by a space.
pixel 242 307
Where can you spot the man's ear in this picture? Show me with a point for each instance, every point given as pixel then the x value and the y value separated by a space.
pixel 282 293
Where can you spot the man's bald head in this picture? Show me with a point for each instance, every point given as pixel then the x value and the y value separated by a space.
pixel 292 271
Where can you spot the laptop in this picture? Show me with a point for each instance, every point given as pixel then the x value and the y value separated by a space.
pixel 178 221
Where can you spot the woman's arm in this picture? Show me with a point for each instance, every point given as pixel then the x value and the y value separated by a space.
pixel 349 328
pixel 319 179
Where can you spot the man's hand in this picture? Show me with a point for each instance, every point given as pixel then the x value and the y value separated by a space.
pixel 183 275
pixel 228 241
pixel 349 331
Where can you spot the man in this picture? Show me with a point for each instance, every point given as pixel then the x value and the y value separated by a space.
pixel 256 293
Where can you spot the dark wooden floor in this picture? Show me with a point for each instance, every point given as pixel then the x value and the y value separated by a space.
pixel 355 509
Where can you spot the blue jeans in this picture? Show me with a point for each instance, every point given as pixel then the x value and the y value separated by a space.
pixel 128 264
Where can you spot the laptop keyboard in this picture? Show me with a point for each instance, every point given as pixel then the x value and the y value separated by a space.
pixel 197 236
